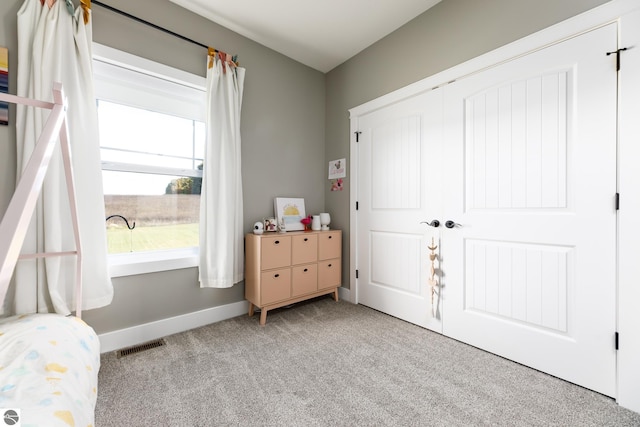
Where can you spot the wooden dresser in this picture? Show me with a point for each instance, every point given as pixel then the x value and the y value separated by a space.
pixel 281 269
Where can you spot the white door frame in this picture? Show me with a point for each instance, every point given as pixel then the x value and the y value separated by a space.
pixel 628 173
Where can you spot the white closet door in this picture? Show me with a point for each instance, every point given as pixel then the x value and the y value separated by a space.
pixel 398 188
pixel 530 160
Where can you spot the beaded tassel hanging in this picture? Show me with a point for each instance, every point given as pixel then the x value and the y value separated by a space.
pixel 433 279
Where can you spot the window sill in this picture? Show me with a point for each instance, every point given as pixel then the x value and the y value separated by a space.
pixel 130 264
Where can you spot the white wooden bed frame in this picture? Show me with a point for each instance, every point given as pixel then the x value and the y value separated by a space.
pixel 45 352
pixel 17 217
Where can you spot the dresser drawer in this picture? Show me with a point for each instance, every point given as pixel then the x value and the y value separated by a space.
pixel 275 285
pixel 276 252
pixel 304 279
pixel 304 249
pixel 329 273
pixel 329 245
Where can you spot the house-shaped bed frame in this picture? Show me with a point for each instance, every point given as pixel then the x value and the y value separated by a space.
pixel 17 217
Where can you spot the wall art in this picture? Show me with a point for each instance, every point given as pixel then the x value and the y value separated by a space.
pixel 338 168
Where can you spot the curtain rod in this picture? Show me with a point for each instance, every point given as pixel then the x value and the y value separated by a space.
pixel 142 21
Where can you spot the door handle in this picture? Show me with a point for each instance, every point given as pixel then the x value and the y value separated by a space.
pixel 435 223
pixel 451 224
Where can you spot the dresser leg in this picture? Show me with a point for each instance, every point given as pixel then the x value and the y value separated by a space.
pixel 251 307
pixel 335 294
pixel 263 317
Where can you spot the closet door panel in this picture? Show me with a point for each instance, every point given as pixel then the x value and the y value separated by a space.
pixel 399 176
pixel 530 155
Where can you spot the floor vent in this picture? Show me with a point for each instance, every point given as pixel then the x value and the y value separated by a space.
pixel 140 347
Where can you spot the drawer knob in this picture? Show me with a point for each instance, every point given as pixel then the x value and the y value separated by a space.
pixel 306 240
pixel 330 237
pixel 276 275
pixel 306 269
pixel 277 242
pixel 329 265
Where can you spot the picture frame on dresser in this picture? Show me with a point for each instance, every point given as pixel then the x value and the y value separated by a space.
pixel 270 224
pixel 289 211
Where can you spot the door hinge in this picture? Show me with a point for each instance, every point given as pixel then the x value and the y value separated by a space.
pixel 617 339
pixel 356 274
pixel 357 136
pixel 617 52
pixel 617 201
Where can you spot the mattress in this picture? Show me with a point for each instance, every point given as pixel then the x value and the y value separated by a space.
pixel 49 370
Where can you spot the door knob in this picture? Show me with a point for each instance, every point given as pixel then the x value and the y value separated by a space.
pixel 451 224
pixel 435 223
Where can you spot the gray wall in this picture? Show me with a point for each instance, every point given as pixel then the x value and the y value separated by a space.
pixel 282 138
pixel 448 34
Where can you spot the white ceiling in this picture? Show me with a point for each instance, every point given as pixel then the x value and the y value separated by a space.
pixel 321 34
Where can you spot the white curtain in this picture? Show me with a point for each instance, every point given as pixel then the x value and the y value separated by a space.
pixel 54 45
pixel 221 209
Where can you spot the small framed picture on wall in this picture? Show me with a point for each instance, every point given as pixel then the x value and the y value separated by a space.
pixel 338 168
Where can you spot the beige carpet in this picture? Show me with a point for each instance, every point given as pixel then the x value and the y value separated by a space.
pixel 323 363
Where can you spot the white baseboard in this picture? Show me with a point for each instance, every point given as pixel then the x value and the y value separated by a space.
pixel 344 294
pixel 122 338
pixel 115 340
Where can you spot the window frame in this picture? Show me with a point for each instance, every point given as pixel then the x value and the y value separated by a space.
pixel 107 88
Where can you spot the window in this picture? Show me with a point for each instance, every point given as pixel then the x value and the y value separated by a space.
pixel 152 132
